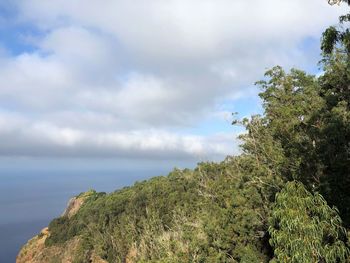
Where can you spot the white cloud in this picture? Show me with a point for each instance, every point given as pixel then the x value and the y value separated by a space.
pixel 48 139
pixel 189 28
pixel 105 76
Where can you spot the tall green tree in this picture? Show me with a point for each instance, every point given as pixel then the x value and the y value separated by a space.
pixel 332 130
pixel 337 35
pixel 305 229
pixel 289 101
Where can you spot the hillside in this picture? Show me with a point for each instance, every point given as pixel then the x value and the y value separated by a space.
pixel 284 199
pixel 215 213
pixel 188 216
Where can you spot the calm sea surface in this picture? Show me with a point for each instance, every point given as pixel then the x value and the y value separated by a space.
pixel 29 200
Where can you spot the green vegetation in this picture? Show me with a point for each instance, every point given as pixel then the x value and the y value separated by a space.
pixel 184 217
pixel 304 228
pixel 285 198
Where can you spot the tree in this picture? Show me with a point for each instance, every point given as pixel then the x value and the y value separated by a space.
pixel 305 229
pixel 337 2
pixel 290 101
pixel 333 36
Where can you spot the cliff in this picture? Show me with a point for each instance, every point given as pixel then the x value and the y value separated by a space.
pixel 35 250
pixel 215 213
pixel 209 214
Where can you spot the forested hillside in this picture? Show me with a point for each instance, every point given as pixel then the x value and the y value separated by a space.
pixel 286 198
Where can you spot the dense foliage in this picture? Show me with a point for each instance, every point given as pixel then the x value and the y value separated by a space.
pixel 336 36
pixel 285 198
pixel 211 214
pixel 304 228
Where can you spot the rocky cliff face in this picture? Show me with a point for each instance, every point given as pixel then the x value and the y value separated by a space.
pixel 73 206
pixel 35 251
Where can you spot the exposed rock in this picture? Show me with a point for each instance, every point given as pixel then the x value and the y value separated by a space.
pixel 73 206
pixel 35 251
pixel 31 251
pixel 76 202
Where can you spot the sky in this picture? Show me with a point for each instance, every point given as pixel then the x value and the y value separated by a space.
pixel 126 82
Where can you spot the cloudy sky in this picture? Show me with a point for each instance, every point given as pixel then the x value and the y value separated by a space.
pixel 143 80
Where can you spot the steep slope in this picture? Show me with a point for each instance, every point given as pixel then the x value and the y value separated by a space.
pixel 35 251
pixel 211 214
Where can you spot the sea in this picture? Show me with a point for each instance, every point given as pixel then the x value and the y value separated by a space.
pixel 31 198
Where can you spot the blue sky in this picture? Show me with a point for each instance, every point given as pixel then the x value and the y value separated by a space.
pixel 143 81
